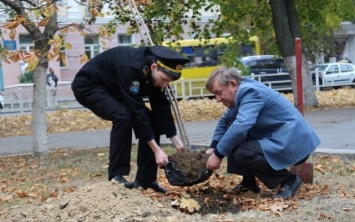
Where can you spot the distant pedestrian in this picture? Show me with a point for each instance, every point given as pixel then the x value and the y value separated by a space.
pixel 1 102
pixel 52 87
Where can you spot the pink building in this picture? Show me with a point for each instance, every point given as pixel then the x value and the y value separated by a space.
pixel 90 44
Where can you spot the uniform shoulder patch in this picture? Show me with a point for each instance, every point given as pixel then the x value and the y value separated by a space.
pixel 145 71
pixel 135 87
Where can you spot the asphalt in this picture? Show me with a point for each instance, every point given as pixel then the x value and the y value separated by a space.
pixel 335 128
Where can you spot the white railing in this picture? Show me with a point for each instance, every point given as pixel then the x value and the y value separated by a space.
pixel 18 98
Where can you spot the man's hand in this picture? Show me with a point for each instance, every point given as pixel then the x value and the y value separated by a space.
pixel 161 158
pixel 209 151
pixel 213 162
pixel 177 144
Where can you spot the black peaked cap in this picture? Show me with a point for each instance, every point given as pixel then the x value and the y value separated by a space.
pixel 169 60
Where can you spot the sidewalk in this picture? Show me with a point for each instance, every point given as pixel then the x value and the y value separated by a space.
pixel 334 127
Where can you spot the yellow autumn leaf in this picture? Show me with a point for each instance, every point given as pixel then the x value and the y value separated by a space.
pixel 190 204
pixel 82 33
pixel 104 45
pixel 56 51
pixel 48 11
pixel 36 13
pixel 11 24
pixel 276 208
pixel 50 56
pixel 12 34
pixel 67 45
pixel 51 42
pixel 100 14
pixel 57 38
pixel 43 22
pixel 14 56
pixel 62 58
pixel 103 32
pixel 84 58
pixel 26 57
pixel 33 63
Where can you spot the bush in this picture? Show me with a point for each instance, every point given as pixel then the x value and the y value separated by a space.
pixel 27 77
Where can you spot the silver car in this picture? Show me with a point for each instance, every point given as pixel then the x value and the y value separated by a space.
pixel 334 74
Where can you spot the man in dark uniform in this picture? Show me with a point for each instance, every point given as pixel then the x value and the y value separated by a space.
pixel 112 85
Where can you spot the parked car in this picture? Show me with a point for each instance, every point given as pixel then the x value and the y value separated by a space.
pixel 267 64
pixel 334 74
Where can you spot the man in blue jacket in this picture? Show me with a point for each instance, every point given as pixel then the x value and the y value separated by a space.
pixel 261 132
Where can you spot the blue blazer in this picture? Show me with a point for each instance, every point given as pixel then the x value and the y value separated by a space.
pixel 262 114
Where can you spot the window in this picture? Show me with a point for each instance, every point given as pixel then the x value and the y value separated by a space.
pixel 201 55
pixel 333 69
pixel 63 51
pixel 26 42
pixel 124 40
pixel 345 68
pixel 92 47
pixel 26 45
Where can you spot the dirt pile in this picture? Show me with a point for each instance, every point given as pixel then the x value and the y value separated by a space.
pixel 190 163
pixel 100 202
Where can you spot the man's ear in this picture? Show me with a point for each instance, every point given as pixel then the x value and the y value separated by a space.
pixel 233 83
pixel 154 66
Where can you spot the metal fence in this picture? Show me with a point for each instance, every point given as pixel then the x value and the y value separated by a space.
pixel 19 98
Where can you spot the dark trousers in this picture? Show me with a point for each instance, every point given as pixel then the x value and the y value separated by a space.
pixel 109 107
pixel 248 159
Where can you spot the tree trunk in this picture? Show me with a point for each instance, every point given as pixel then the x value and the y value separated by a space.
pixel 39 126
pixel 286 26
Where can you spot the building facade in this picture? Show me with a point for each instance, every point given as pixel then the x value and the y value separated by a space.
pixel 71 11
pixel 91 44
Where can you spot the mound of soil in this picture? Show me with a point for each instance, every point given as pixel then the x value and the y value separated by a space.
pixel 190 163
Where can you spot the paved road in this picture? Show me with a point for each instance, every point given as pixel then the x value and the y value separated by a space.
pixel 335 128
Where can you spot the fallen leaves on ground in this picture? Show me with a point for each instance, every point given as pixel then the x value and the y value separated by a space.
pixel 26 180
pixel 191 110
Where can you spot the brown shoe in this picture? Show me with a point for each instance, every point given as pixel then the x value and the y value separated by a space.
pixel 242 188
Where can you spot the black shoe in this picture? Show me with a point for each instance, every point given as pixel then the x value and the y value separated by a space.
pixel 152 185
pixel 243 188
pixel 121 179
pixel 287 191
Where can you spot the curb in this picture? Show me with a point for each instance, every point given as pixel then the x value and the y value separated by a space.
pixel 344 154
